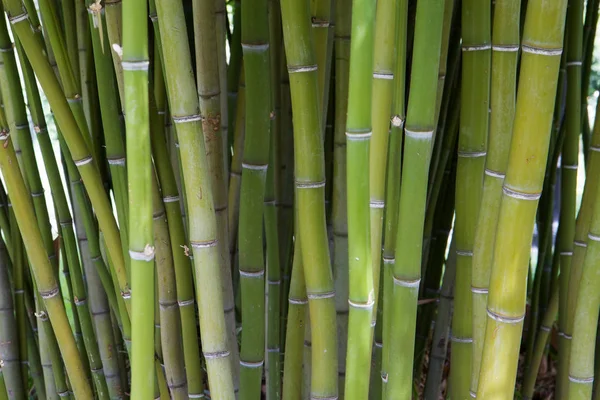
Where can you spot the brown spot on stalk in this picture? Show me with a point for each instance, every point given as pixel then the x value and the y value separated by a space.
pixel 186 250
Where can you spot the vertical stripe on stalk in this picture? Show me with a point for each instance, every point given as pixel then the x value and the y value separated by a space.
pixel 542 47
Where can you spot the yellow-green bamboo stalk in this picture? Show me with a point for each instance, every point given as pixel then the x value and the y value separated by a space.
pixel 542 47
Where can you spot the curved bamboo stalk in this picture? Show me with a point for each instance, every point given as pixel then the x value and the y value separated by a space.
pixel 310 196
pixel 505 51
pixel 183 102
pixel 542 47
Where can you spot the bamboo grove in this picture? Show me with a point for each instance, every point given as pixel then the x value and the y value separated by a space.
pixel 299 199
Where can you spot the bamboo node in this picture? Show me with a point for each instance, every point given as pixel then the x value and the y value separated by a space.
pixel 575 379
pixel 507 48
pixel 18 18
pixel 252 274
pixel 294 69
pixel 158 215
pixel 313 397
pixel 566 253
pixel 275 282
pixel 595 148
pixel 520 195
pixel 595 238
pixel 574 63
pixel 580 243
pixel 74 99
pixel 41 315
pixel 50 293
pixel 7 49
pixel 116 161
pixel 464 253
pixel 67 223
pixel 135 65
pixel 126 294
pixel 79 302
pixel 203 244
pixel 319 22
pixel 19 291
pixel 545 328
pixel 503 318
pixel 471 154
pixel 397 121
pixel 22 126
pixel 458 339
pixel 541 51
pixel 83 161
pixel 4 135
pixel 170 199
pixel 419 135
pixel 146 255
pixel 309 184
pixel 477 47
pixel 299 302
pixel 63 394
pixel 252 364
pixel 384 377
pixel 165 305
pixel 377 204
pixel 153 17
pixel 363 306
pixel 494 174
pixel 273 349
pixel 184 119
pixel 320 296
pixel 255 47
pixel 569 166
pixel 216 354
pixel 255 167
pixel 389 260
pixel 478 290
pixel 408 283
pixel 472 394
pixel 379 345
pixel 37 194
pixel 383 75
pixel 196 395
pixel 352 136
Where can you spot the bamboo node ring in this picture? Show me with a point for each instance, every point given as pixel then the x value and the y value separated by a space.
pixel 146 255
pixel 252 364
pixel 126 294
pixel 116 161
pixel 320 296
pixel 319 23
pixel 18 18
pixel 408 283
pixel 384 377
pixel 203 245
pixel 377 204
pixel 541 51
pixel 506 47
pixel 580 243
pixel 570 166
pixel 274 282
pixel 273 350
pixel 255 47
pixel 477 47
pixel 358 136
pixel 7 49
pixel 186 118
pixel 595 148
pixel 185 303
pixel 323 398
pixel 545 328
pixel 520 195
pixel 196 395
pixel 363 306
pixel 63 394
pixel 593 237
pixel 158 215
pixel 83 161
pixel 575 379
pixel 457 339
pixel 388 260
pixel 472 394
pixel 294 69
pixel 22 126
pixel 4 134
pixel 216 354
pixel 255 167
pixel 299 302
pixel 494 174
pixel 472 154
pixel 478 290
pixel 49 294
pixel 464 253
pixel 38 194
pixel 170 199
pixel 566 253
pixel 309 184
pixel 383 75
pixel 379 345
pixel 41 315
pixel 252 274
pixel 421 135
pixel 504 319
pixel 138 65
pixel 574 63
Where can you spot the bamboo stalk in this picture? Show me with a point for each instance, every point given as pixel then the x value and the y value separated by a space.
pixel 542 46
pixel 185 109
pixel 310 185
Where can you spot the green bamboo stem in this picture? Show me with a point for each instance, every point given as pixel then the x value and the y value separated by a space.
pixel 42 269
pixel 183 271
pixel 381 109
pixel 321 21
pixel 441 333
pixel 221 22
pixel 542 46
pixel 420 124
pixel 541 341
pixel 69 27
pixel 472 145
pixel 114 12
pixel 505 48
pixel 294 343
pixel 73 137
pixel 392 193
pixel 570 272
pixel 234 69
pixel 184 106
pixel 46 364
pixel 271 215
pixel 35 365
pixel 208 18
pixel 339 214
pixel 255 46
pixel 111 123
pixel 310 201
pixel 9 339
pixel 139 177
pixel 361 294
